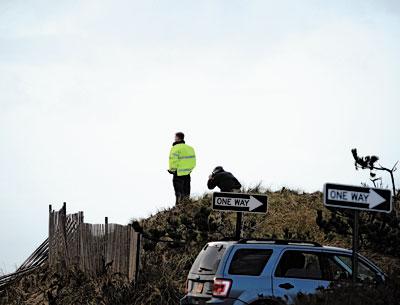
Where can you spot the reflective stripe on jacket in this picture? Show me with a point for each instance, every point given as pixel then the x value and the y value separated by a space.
pixel 182 159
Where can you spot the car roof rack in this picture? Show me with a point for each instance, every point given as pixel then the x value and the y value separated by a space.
pixel 279 241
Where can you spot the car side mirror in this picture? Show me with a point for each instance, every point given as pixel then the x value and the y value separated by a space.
pixel 343 276
pixel 379 279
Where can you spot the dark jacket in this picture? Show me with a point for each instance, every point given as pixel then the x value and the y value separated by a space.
pixel 225 181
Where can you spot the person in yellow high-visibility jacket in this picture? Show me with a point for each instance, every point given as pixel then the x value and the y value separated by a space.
pixel 182 161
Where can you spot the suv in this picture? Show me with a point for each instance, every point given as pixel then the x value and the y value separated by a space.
pixel 259 271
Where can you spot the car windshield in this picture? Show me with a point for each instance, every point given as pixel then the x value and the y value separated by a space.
pixel 208 259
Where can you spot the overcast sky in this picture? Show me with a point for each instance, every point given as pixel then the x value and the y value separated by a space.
pixel 92 92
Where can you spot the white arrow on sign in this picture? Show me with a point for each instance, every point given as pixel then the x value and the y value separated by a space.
pixel 254 203
pixel 372 198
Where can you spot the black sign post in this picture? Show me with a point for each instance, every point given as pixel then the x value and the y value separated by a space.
pixel 355 246
pixel 239 224
pixel 358 199
pixel 239 203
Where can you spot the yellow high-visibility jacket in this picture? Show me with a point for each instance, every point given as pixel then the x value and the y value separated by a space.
pixel 182 159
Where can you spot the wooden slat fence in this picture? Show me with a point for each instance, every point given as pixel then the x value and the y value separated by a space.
pixel 41 255
pixel 63 231
pixel 93 248
pixel 90 247
pixel 122 249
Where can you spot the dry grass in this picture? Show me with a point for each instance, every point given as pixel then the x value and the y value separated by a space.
pixel 165 264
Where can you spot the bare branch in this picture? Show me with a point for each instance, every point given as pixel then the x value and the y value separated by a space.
pixel 394 168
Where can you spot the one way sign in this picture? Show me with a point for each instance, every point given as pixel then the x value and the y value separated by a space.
pixel 356 197
pixel 239 202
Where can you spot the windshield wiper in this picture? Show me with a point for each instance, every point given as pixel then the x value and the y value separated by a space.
pixel 204 269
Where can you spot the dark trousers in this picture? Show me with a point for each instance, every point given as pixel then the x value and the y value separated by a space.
pixel 181 187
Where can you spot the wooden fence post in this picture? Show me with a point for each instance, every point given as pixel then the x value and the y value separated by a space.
pixel 105 241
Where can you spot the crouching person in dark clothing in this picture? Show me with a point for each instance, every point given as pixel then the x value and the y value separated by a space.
pixel 224 180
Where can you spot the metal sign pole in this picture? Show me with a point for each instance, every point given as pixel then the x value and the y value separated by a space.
pixel 239 216
pixel 355 246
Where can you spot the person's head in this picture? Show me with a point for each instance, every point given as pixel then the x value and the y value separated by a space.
pixel 217 170
pixel 179 136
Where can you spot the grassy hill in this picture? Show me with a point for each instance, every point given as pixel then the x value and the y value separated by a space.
pixel 172 239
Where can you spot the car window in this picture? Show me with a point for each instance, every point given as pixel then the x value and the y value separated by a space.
pixel 249 261
pixel 208 259
pixel 337 269
pixel 340 268
pixel 365 273
pixel 299 264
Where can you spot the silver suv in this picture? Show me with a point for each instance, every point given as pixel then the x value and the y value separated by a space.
pixel 260 271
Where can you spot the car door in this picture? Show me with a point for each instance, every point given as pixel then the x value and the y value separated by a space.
pixel 298 271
